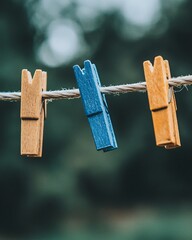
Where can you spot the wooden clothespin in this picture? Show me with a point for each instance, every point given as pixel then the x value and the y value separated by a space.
pixel 95 106
pixel 33 112
pixel 162 103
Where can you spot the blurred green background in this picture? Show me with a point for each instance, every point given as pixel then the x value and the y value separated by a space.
pixel 138 192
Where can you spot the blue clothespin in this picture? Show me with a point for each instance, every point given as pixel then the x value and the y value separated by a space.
pixel 95 106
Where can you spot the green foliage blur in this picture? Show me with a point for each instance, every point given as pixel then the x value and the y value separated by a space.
pixel 137 192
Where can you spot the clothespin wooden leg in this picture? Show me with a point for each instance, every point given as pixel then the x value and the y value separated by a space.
pixel 32 113
pixel 162 106
pixel 173 110
pixel 43 114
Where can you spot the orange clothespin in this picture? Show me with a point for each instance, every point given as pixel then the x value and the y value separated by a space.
pixel 33 112
pixel 162 103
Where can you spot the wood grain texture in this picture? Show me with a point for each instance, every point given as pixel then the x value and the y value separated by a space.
pixel 162 103
pixel 32 113
pixel 95 107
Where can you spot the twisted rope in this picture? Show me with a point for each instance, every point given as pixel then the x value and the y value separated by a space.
pixel 74 93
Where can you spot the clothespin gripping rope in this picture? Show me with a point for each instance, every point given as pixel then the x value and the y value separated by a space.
pixel 118 89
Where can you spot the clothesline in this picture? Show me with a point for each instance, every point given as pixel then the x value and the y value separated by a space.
pixel 118 89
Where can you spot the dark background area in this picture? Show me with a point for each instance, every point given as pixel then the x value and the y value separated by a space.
pixel 138 191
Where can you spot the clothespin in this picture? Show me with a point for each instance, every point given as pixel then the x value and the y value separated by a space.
pixel 95 106
pixel 33 112
pixel 162 103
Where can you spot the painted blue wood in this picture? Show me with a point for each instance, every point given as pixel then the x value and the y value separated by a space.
pixel 95 106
